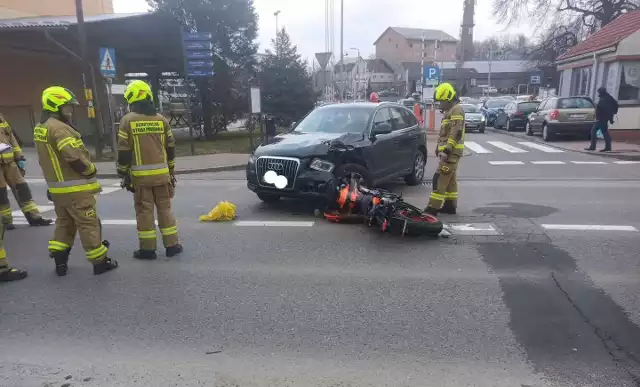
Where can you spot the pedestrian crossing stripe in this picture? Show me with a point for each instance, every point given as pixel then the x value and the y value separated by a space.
pixel 544 148
pixel 507 147
pixel 480 149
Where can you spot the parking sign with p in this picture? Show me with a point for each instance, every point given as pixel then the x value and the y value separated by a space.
pixel 432 73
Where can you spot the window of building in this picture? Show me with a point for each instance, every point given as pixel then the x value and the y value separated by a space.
pixel 580 81
pixel 629 81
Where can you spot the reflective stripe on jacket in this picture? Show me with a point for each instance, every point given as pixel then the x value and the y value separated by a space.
pixel 65 161
pixel 146 149
pixel 452 132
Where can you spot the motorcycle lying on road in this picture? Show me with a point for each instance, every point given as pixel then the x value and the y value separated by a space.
pixel 381 208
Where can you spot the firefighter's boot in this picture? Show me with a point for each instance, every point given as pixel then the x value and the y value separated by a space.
pixel 61 259
pixel 148 255
pixel 12 274
pixel 105 265
pixel 174 250
pixel 448 208
pixel 431 211
pixel 37 222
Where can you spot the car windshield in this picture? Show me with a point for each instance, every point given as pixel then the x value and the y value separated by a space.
pixel 470 108
pixel 335 119
pixel 528 106
pixel 497 103
pixel 574 103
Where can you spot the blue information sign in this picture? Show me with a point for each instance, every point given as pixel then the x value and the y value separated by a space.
pixel 206 36
pixel 200 63
pixel 431 73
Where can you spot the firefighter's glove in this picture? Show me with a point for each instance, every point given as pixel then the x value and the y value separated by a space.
pixel 224 211
pixel 173 180
pixel 49 197
pixel 21 164
pixel 443 157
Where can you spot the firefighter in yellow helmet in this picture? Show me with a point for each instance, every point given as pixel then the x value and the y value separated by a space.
pixel 70 175
pixel 146 153
pixel 444 197
pixel 12 176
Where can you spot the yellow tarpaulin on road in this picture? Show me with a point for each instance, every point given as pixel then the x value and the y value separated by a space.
pixel 224 211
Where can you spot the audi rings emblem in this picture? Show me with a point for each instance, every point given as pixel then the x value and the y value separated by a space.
pixel 275 166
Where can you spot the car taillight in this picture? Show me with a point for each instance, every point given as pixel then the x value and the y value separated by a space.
pixel 518 114
pixel 554 115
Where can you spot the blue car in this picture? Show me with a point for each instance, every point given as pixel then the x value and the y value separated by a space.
pixel 491 107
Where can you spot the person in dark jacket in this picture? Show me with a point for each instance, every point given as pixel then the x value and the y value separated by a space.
pixel 605 110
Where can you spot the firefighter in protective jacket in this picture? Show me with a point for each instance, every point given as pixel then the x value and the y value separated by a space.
pixel 444 197
pixel 71 177
pixel 12 177
pixel 146 153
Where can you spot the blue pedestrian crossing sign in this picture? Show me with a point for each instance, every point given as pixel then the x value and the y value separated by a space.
pixel 108 62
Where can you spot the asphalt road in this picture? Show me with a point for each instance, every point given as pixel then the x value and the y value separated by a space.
pixel 537 287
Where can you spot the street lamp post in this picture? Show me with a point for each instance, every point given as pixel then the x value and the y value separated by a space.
pixel 94 118
pixel 276 13
pixel 357 88
pixel 342 48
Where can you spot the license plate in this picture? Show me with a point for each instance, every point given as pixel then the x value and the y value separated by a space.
pixel 577 116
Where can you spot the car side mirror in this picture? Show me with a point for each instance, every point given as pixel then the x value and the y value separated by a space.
pixel 381 128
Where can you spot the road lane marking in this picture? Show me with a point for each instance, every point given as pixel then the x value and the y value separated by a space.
pixel 547 162
pixel 624 162
pixel 472 229
pixel 272 223
pixel 587 227
pixel 474 146
pixel 506 162
pixel 19 214
pixel 34 181
pixel 507 147
pixel 541 147
pixel 108 190
pixel 589 162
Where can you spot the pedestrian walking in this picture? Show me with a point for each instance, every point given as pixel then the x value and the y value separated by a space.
pixel 444 196
pixel 12 164
pixel 71 177
pixel 146 154
pixel 606 108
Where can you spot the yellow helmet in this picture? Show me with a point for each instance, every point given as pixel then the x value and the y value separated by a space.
pixel 137 91
pixel 444 92
pixel 56 96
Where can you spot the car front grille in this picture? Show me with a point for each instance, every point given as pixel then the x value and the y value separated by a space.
pixel 286 166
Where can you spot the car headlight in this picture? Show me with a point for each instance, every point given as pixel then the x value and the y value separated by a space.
pixel 321 165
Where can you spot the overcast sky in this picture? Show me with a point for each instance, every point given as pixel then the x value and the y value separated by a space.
pixel 365 20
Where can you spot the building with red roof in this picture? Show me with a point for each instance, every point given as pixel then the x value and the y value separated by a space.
pixel 609 58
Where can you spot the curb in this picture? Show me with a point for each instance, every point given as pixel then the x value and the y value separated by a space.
pixel 236 167
pixel 536 140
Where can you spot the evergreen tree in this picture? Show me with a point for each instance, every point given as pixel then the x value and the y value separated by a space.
pixel 286 85
pixel 234 27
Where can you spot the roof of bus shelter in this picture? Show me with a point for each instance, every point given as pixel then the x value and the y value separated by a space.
pixel 148 42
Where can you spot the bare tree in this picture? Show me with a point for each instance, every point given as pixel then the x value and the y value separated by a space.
pixel 590 15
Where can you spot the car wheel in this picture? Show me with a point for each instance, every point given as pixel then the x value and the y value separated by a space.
pixel 528 130
pixel 507 125
pixel 547 134
pixel 417 172
pixel 268 198
pixel 353 171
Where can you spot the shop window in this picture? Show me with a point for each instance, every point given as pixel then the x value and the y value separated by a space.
pixel 580 81
pixel 629 81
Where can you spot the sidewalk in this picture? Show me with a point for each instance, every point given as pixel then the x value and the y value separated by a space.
pixel 188 164
pixel 621 150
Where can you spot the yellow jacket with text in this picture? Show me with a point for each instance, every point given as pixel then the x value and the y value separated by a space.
pixel 452 132
pixel 7 137
pixel 146 149
pixel 64 159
